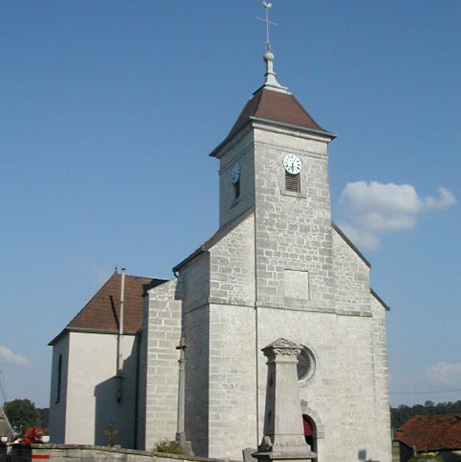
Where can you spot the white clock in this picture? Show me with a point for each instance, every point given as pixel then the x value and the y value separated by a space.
pixel 235 173
pixel 292 164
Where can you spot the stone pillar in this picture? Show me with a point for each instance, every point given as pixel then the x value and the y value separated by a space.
pixel 283 438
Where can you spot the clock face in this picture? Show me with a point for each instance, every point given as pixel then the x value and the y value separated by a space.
pixel 235 173
pixel 292 164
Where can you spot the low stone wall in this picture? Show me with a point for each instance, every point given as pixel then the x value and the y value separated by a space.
pixel 83 453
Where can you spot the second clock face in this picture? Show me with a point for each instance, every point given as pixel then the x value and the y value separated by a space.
pixel 292 164
pixel 235 173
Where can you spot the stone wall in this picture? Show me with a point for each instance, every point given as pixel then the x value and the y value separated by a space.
pixel 161 336
pixel 82 453
pixel 240 150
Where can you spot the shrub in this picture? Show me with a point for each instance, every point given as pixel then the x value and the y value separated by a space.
pixel 166 446
pixel 418 457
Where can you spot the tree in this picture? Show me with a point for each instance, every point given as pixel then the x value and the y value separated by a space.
pixel 22 414
pixel 403 413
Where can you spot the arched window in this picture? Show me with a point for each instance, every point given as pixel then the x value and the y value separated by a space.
pixel 310 432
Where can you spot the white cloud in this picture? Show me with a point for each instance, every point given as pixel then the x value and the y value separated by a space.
pixel 371 209
pixel 446 199
pixel 8 356
pixel 444 373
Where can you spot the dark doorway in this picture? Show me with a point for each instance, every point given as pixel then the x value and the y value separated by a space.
pixel 310 432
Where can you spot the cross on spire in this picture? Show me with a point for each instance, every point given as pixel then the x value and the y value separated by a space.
pixel 270 81
pixel 267 6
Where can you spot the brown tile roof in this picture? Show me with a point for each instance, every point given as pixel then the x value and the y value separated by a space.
pixel 431 433
pixel 277 107
pixel 101 313
pixel 272 106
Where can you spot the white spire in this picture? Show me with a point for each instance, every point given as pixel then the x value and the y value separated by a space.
pixel 271 81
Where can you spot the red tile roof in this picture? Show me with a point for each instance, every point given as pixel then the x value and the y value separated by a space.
pixel 101 313
pixel 431 433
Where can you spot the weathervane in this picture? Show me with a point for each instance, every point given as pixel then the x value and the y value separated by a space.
pixel 267 6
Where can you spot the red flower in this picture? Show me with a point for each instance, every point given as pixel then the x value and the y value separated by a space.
pixel 32 435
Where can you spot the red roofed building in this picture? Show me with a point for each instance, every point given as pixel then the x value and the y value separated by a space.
pixel 440 435
pixel 94 367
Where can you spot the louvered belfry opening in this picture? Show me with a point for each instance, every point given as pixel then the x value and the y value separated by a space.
pixel 292 182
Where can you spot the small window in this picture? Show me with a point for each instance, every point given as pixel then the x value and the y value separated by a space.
pixel 237 189
pixel 292 182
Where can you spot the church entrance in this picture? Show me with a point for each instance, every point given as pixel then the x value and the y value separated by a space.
pixel 310 432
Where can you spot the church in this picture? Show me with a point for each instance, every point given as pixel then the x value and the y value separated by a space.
pixel 150 359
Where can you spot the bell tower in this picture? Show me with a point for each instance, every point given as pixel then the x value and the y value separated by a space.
pixel 275 161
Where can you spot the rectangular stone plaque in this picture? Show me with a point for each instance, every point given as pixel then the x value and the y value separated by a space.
pixel 297 284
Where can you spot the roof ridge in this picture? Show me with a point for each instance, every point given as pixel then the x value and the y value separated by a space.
pixel 138 277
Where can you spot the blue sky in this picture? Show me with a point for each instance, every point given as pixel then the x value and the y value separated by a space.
pixel 110 108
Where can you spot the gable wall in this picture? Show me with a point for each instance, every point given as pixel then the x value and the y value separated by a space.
pixel 352 278
pixel 92 388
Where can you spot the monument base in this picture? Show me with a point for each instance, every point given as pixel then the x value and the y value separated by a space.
pixel 285 456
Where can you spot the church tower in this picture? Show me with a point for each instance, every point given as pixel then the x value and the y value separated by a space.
pixel 277 267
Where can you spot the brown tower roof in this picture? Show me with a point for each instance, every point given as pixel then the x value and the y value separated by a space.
pixel 268 105
pixel 275 107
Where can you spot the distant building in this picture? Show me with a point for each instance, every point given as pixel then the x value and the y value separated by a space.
pixel 277 267
pixel 428 434
pixel 5 428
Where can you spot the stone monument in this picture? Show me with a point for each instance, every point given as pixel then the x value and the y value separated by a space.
pixel 283 438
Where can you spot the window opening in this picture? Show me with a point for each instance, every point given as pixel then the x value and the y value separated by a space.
pixel 310 432
pixel 292 182
pixel 237 189
pixel 306 364
pixel 58 394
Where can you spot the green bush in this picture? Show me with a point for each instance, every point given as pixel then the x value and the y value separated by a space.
pixel 166 446
pixel 425 457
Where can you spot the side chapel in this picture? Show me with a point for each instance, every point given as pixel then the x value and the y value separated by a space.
pixel 276 267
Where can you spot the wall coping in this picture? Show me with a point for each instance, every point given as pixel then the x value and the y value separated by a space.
pixel 63 447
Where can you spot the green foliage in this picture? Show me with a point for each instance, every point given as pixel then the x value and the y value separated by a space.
pixel 44 414
pixel 22 414
pixel 403 414
pixel 166 446
pixel 425 457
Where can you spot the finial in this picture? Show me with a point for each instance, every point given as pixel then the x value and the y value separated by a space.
pixel 271 81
